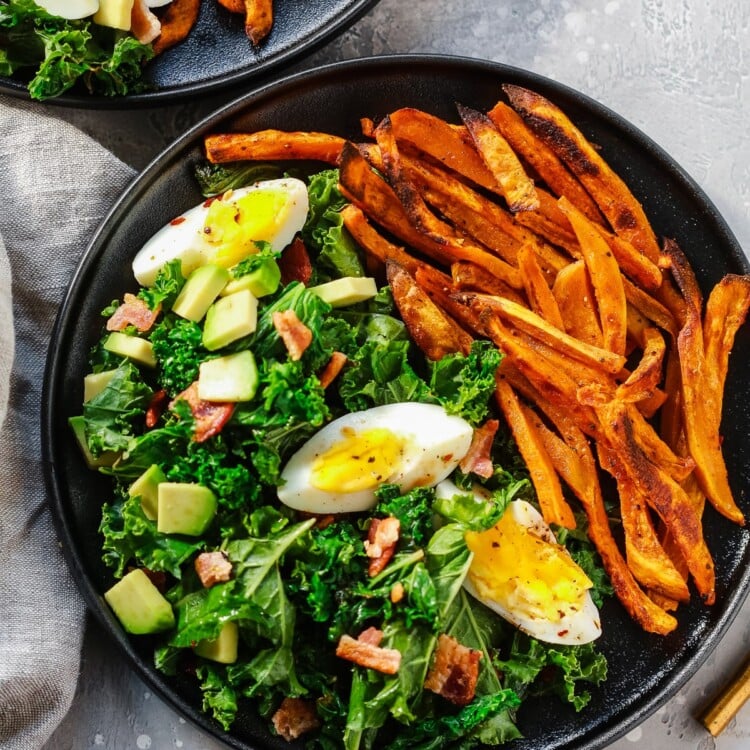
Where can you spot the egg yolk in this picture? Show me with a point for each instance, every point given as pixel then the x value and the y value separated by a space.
pixel 359 461
pixel 235 226
pixel 515 568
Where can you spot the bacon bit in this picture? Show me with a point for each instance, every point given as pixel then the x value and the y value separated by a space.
pixel 333 367
pixel 397 592
pixel 213 568
pixel 144 25
pixel 133 312
pixel 294 333
pixel 295 717
pixel 477 458
pixel 176 221
pixel 454 672
pixel 385 660
pixel 210 416
pixel 382 537
pixel 158 578
pixel 156 407
pixel 372 635
pixel 295 264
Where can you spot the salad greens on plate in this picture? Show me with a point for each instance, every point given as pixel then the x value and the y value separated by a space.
pixel 287 587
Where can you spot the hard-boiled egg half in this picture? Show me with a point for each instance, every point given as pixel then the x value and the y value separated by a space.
pixel 519 571
pixel 224 230
pixel 341 466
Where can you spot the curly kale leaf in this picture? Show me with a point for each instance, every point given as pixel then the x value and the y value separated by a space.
pixel 178 348
pixel 167 285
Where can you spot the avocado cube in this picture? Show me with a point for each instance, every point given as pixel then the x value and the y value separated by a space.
pixel 114 13
pixel 222 649
pixel 199 292
pixel 230 378
pixel 95 382
pixel 132 347
pixel 107 458
pixel 346 291
pixel 139 605
pixel 261 281
pixel 184 508
pixel 147 487
pixel 230 318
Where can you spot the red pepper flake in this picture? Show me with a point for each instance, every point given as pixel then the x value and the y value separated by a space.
pixel 177 220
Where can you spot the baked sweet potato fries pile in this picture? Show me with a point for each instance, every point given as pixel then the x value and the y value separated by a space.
pixel 181 15
pixel 511 226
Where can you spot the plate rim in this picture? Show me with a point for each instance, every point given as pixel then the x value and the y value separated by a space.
pixel 642 706
pixel 354 11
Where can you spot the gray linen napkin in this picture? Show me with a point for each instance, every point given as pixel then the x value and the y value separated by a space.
pixel 56 184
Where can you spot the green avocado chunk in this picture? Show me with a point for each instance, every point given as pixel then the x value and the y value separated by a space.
pixel 222 649
pixel 95 382
pixel 200 290
pixel 138 604
pixel 147 486
pixel 132 347
pixel 261 281
pixel 230 318
pixel 184 508
pixel 231 378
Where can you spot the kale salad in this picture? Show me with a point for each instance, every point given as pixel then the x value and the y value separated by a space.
pixel 359 625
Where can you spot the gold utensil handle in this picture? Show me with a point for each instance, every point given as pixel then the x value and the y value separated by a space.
pixel 728 702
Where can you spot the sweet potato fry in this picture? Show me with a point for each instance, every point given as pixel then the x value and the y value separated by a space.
pixel 455 247
pixel 605 279
pixel 273 144
pixel 555 508
pixel 176 23
pixel 516 186
pixel 541 299
pixel 700 401
pixel 650 307
pixel 633 263
pixel 434 333
pixel 536 326
pixel 469 277
pixel 258 19
pixel 233 6
pixel 663 494
pixel 443 142
pixel 439 288
pixel 611 194
pixel 647 560
pixel 373 243
pixel 644 380
pixel 545 162
pixel 549 223
pixel 575 300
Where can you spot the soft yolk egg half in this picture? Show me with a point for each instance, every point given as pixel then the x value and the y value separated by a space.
pixel 224 230
pixel 519 571
pixel 340 467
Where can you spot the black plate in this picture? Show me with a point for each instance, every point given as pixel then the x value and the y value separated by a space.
pixel 644 670
pixel 217 54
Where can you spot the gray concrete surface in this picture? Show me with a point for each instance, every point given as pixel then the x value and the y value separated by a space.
pixel 678 69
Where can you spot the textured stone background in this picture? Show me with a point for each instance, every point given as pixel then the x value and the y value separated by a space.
pixel 678 69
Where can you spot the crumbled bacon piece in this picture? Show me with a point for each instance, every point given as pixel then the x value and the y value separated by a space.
pixel 133 312
pixel 454 672
pixel 156 407
pixel 209 416
pixel 333 367
pixel 385 660
pixel 382 537
pixel 144 25
pixel 295 717
pixel 372 635
pixel 295 264
pixel 158 578
pixel 477 458
pixel 294 333
pixel 213 568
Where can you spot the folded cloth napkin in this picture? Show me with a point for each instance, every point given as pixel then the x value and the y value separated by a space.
pixel 56 186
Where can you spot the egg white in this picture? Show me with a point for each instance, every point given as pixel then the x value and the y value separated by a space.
pixel 434 443
pixel 184 239
pixel 577 625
